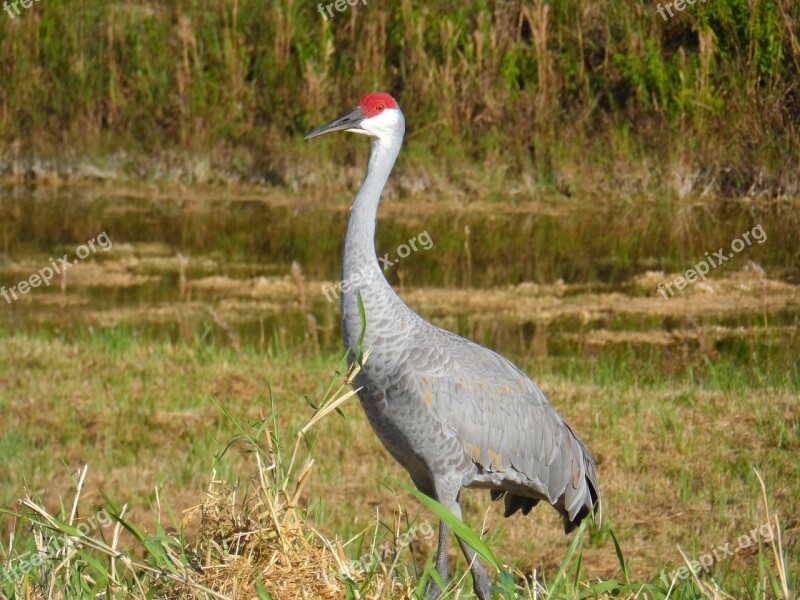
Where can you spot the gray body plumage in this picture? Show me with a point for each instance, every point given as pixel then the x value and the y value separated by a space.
pixel 447 408
pixel 453 413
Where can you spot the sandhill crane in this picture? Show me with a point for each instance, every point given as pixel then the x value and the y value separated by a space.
pixel 454 414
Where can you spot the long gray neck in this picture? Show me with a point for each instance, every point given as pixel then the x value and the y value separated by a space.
pixel 360 268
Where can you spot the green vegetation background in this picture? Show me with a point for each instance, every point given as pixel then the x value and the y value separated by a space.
pixel 572 91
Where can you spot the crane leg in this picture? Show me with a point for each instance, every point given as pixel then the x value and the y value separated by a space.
pixel 480 579
pixel 441 563
pixel 447 495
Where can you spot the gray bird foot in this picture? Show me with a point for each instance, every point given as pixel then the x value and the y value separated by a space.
pixel 482 586
pixel 433 591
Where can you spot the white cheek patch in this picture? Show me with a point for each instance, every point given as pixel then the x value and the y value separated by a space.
pixel 382 123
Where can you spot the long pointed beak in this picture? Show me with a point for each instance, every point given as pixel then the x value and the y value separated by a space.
pixel 349 122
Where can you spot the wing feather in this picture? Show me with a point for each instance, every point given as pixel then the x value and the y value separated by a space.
pixel 505 422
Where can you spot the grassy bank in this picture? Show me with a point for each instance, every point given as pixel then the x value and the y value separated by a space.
pixel 571 95
pixel 676 453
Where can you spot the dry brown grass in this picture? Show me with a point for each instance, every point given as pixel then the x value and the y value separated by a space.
pixel 674 452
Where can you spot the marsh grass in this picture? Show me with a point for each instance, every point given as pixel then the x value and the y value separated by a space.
pixel 676 419
pixel 256 532
pixel 572 94
pixel 259 539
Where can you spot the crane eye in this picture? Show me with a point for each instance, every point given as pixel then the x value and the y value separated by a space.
pixel 380 107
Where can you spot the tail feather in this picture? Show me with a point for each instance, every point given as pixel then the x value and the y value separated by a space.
pixel 574 505
pixel 594 507
pixel 513 502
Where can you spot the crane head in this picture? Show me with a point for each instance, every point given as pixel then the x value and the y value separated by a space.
pixel 377 115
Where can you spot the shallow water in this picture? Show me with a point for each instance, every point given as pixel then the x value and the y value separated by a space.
pixel 574 280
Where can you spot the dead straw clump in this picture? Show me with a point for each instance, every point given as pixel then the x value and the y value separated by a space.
pixel 258 541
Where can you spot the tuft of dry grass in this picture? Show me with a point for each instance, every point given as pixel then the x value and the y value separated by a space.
pixel 259 540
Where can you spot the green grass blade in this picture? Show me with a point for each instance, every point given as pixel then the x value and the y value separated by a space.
pixel 620 556
pixel 472 539
pixel 561 576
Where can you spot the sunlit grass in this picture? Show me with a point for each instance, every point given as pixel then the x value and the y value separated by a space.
pixel 675 456
pixel 253 533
